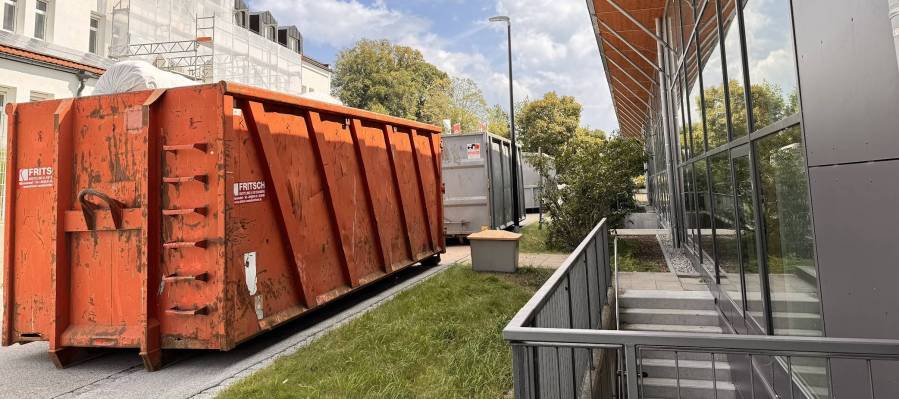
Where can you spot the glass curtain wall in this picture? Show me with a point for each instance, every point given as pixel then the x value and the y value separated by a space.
pixel 740 156
pixel 741 160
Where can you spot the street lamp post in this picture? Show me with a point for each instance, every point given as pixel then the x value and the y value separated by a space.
pixel 515 195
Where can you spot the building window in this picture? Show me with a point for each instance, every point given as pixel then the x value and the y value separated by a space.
pixel 41 8
pixel 772 68
pixel 714 105
pixel 734 55
pixel 789 244
pixel 40 96
pixel 9 15
pixel 93 44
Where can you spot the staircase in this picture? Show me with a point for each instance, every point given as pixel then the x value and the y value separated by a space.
pixel 691 374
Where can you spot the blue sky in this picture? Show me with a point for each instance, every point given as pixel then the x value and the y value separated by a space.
pixel 553 43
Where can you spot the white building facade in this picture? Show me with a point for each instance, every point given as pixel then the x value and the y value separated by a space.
pixel 58 48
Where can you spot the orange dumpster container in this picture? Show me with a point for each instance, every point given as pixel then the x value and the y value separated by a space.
pixel 199 217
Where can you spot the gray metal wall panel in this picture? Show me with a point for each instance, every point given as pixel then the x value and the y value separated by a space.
pixel 857 247
pixel 849 80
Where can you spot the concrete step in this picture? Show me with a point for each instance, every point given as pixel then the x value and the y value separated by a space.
pixel 694 389
pixel 688 317
pixel 657 299
pixel 686 369
pixel 808 274
pixel 672 328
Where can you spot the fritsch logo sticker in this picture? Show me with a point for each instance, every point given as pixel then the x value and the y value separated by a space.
pixel 36 177
pixel 247 192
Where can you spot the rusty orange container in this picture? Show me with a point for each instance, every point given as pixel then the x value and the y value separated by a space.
pixel 199 217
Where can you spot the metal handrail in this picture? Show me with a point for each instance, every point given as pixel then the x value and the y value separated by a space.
pixel 527 312
pixel 549 358
pixel 880 349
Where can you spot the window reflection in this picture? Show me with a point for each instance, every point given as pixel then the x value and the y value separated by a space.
pixel 746 223
pixel 772 71
pixel 725 232
pixel 789 244
pixel 704 213
pixel 712 79
pixel 694 104
pixel 734 68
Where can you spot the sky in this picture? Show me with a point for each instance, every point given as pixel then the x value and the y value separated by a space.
pixel 553 45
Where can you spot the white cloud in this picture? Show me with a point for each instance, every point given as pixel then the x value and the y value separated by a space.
pixel 341 23
pixel 552 50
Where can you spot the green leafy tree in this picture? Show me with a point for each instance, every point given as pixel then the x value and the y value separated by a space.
pixel 396 80
pixel 459 100
pixel 596 180
pixel 498 121
pixel 548 123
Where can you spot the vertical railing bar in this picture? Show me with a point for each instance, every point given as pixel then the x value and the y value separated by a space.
pixel 790 374
pixel 571 325
pixel 558 374
pixel 630 366
pixel 677 372
pixel 714 376
pixel 870 377
pixel 751 376
pixel 829 377
pixel 640 372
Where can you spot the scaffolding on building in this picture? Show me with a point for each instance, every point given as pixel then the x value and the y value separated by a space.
pixel 205 40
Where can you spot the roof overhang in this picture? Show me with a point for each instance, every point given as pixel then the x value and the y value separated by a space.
pixel 626 35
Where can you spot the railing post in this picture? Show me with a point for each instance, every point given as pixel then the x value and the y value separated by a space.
pixel 630 369
pixel 523 372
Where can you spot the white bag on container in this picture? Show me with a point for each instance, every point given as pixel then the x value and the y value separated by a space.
pixel 136 75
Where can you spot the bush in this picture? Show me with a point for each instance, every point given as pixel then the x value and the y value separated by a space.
pixel 595 180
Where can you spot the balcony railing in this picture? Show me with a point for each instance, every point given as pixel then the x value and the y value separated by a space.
pixel 565 345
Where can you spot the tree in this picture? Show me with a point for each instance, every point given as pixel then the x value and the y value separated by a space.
pixel 459 100
pixel 387 78
pixel 548 123
pixel 498 121
pixel 596 180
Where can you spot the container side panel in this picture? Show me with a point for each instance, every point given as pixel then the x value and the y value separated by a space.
pixel 508 216
pixel 409 189
pixel 384 194
pixel 354 221
pixel 429 180
pixel 190 122
pixel 266 282
pixel 497 182
pixel 466 200
pixel 32 309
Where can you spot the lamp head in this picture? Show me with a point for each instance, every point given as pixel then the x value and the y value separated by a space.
pixel 500 18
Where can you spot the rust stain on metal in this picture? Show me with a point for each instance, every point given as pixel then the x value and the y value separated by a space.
pixel 181 185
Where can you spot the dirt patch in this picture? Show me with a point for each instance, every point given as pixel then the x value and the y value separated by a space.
pixel 640 254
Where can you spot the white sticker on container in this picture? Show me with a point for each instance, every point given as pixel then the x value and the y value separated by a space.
pixel 36 177
pixel 249 269
pixel 247 192
pixel 474 151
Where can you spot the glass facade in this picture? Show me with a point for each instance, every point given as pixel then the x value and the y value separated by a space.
pixel 736 147
pixel 744 211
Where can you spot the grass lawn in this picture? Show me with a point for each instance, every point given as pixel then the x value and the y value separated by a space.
pixel 639 254
pixel 440 339
pixel 533 240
